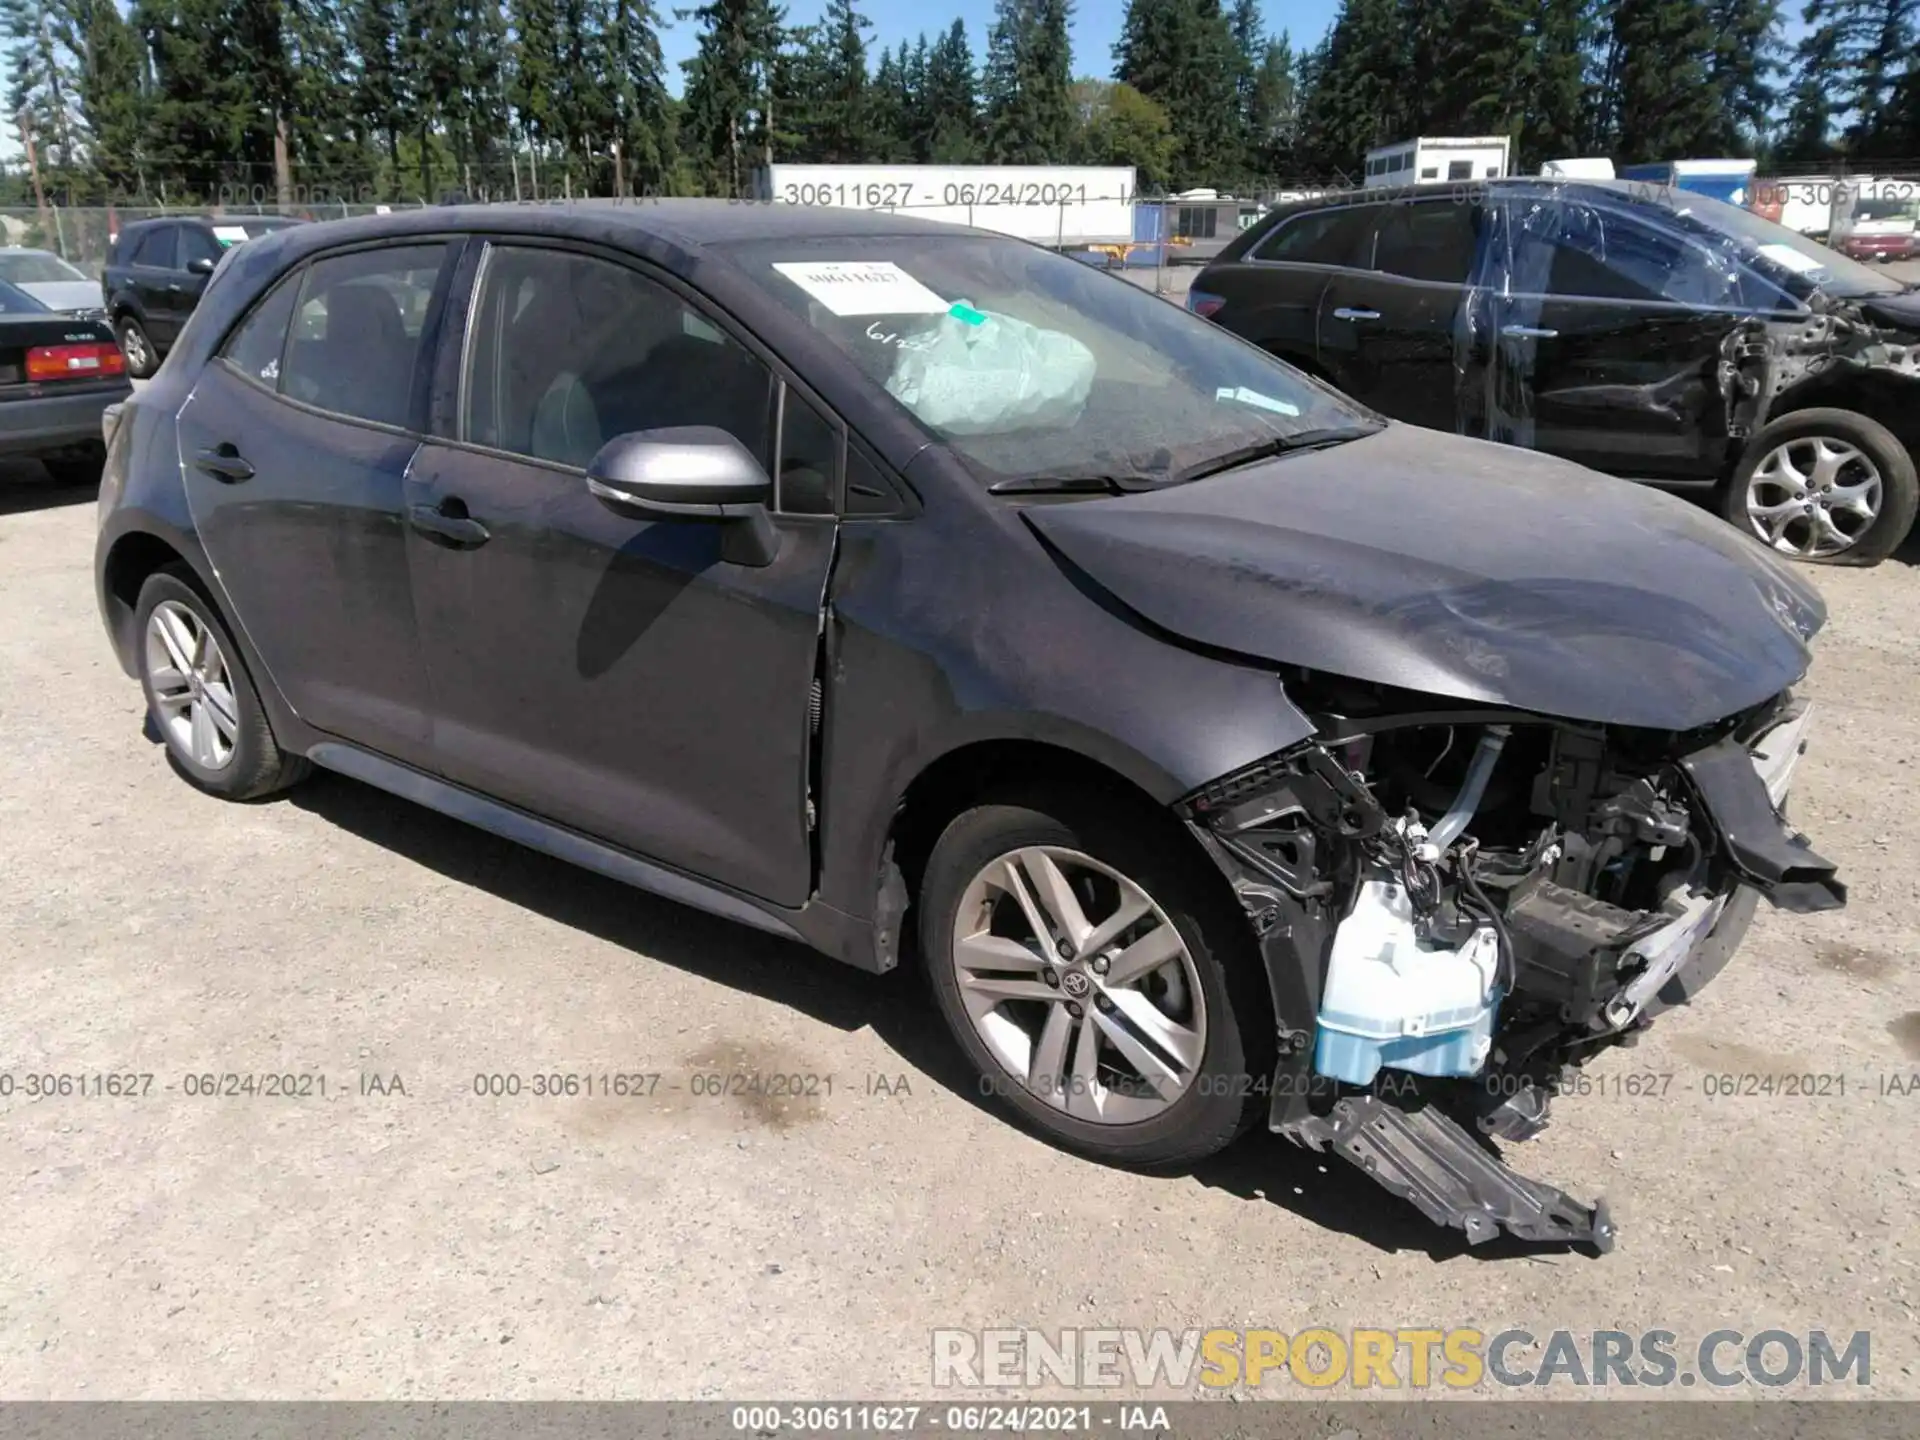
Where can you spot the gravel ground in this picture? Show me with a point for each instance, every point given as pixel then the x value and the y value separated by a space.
pixel 432 1243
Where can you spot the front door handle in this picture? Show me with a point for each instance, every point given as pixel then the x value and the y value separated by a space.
pixel 1527 332
pixel 461 531
pixel 1343 313
pixel 224 462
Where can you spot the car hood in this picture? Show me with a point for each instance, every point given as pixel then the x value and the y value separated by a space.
pixel 1461 569
pixel 66 295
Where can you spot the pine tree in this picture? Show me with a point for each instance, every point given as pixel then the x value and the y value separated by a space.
pixel 111 93
pixel 375 88
pixel 845 104
pixel 1273 118
pixel 1482 63
pixel 1876 46
pixel 1181 54
pixel 1807 131
pixel 1027 84
pixel 1358 87
pixel 950 100
pixel 1557 103
pixel 1741 68
pixel 635 110
pixel 534 62
pixel 1664 108
pixel 728 118
pixel 42 82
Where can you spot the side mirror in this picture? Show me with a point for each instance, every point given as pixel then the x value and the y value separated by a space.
pixel 690 472
pixel 201 265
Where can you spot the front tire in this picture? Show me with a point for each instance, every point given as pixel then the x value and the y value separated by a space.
pixel 1827 486
pixel 1106 990
pixel 200 699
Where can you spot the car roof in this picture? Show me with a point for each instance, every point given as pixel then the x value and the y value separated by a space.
pixel 687 224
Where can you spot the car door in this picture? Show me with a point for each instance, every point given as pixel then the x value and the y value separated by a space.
pixel 1608 335
pixel 1271 294
pixel 295 445
pixel 614 674
pixel 151 275
pixel 1388 328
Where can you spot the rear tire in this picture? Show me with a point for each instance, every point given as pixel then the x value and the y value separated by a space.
pixel 137 347
pixel 200 699
pixel 1807 482
pixel 1097 1100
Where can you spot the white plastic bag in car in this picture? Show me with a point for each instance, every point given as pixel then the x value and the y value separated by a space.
pixel 983 373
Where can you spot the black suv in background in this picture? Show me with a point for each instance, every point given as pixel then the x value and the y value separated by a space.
pixel 157 270
pixel 1650 333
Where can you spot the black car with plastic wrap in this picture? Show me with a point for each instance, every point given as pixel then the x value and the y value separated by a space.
pixel 59 372
pixel 1655 334
pixel 1225 752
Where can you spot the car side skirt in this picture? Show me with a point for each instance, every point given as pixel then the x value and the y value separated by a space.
pixel 544 836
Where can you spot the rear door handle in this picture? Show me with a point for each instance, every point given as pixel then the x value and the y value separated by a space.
pixel 1527 332
pixel 1343 313
pixel 460 531
pixel 224 462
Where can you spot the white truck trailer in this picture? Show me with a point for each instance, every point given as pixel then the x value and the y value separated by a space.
pixel 1065 206
pixel 1439 158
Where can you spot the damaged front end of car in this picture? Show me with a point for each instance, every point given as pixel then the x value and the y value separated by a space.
pixel 1457 907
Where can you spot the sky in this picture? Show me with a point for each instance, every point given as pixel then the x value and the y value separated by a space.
pixel 1096 26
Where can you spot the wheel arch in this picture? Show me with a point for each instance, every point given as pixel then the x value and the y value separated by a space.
pixel 959 777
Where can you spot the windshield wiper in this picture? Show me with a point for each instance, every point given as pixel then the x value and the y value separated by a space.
pixel 1060 485
pixel 1279 445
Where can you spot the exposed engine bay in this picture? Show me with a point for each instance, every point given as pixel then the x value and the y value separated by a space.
pixel 1456 910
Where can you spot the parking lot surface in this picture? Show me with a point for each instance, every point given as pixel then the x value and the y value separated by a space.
pixel 408 1234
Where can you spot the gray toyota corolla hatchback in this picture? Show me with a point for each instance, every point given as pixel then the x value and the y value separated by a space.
pixel 1223 751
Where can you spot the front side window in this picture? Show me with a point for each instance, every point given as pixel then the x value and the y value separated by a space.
pixel 1428 240
pixel 568 351
pixel 197 244
pixel 1033 367
pixel 1588 251
pixel 356 331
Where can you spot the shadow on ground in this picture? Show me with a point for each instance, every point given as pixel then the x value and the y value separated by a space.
pixel 1321 1188
pixel 25 486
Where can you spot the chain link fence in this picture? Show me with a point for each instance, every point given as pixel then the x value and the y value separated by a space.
pixel 1167 235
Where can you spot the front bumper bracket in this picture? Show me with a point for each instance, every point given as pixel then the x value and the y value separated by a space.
pixel 1423 1156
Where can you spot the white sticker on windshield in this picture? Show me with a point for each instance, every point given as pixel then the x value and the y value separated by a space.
pixel 1791 258
pixel 862 287
pixel 229 234
pixel 1253 397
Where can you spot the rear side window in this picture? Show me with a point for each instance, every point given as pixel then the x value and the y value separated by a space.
pixel 155 248
pixel 1428 240
pixel 1321 237
pixel 255 348
pixel 356 331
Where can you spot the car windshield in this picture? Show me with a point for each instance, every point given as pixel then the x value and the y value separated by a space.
pixel 1806 264
pixel 35 267
pixel 1034 367
pixel 1882 209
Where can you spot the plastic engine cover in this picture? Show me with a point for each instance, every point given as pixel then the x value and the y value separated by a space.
pixel 1392 1000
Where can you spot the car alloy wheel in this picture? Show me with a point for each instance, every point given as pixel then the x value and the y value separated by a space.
pixel 1079 985
pixel 1813 496
pixel 134 345
pixel 192 692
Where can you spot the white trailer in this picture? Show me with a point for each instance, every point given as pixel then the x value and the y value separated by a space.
pixel 1066 206
pixel 1431 158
